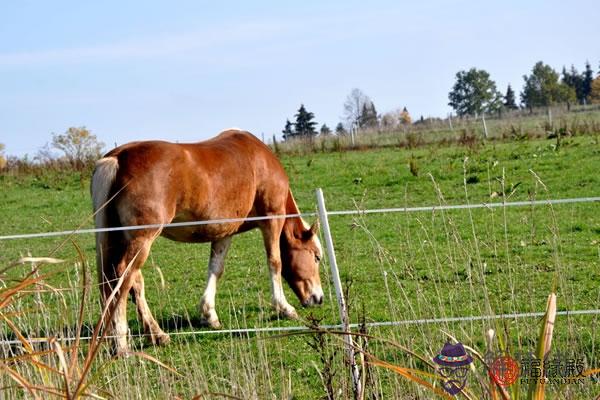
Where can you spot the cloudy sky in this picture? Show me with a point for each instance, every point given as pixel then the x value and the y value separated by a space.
pixel 185 70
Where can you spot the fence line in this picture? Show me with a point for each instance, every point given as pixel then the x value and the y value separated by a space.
pixel 239 331
pixel 345 326
pixel 311 214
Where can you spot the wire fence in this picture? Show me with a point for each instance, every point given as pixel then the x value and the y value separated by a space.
pixel 310 214
pixel 323 214
pixel 334 327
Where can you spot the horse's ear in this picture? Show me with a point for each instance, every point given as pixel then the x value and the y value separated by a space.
pixel 312 231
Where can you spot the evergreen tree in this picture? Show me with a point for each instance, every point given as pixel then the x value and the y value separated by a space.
pixel 325 130
pixel 587 78
pixel 368 116
pixel 474 93
pixel 288 131
pixel 340 130
pixel 305 126
pixel 574 80
pixel 509 99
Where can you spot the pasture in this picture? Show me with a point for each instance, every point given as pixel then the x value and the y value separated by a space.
pixel 399 266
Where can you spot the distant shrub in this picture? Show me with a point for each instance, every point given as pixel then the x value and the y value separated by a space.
pixel 2 158
pixel 413 166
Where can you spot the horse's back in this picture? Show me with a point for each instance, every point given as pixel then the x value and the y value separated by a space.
pixel 233 175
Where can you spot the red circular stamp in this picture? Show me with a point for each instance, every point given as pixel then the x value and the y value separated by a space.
pixel 505 370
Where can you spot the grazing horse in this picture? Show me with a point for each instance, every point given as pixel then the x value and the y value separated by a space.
pixel 231 176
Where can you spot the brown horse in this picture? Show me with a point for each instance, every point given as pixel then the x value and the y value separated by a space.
pixel 233 175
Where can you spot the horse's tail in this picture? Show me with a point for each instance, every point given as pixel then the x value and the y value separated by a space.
pixel 102 183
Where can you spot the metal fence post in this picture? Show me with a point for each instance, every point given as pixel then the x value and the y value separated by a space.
pixel 335 276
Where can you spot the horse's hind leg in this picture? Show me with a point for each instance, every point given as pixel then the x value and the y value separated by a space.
pixel 151 327
pixel 134 256
pixel 218 251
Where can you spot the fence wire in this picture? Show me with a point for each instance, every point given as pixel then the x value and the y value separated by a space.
pixel 311 214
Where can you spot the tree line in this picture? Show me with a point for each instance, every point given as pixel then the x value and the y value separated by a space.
pixel 474 92
pixel 359 114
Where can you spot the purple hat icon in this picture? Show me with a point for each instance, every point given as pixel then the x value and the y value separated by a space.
pixel 453 355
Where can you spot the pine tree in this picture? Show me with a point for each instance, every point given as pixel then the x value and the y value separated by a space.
pixel 340 130
pixel 509 99
pixel 325 130
pixel 368 116
pixel 373 115
pixel 305 126
pixel 587 78
pixel 288 131
pixel 574 80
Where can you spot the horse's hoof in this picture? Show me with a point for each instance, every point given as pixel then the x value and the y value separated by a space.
pixel 211 323
pixel 120 353
pixel 160 339
pixel 289 313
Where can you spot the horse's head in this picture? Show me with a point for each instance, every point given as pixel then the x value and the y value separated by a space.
pixel 300 256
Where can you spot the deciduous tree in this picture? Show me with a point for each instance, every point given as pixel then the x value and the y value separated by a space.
pixel 405 118
pixel 78 145
pixel 473 93
pixel 2 158
pixel 353 107
pixel 595 91
pixel 543 89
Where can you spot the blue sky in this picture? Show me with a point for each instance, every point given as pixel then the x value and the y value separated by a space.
pixel 185 70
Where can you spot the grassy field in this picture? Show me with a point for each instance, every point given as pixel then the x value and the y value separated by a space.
pixel 395 267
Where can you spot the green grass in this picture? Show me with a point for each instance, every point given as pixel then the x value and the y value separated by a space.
pixel 401 266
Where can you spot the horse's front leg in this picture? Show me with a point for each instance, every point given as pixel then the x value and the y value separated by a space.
pixel 216 264
pixel 271 236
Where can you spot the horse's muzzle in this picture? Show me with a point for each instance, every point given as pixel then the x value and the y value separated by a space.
pixel 314 300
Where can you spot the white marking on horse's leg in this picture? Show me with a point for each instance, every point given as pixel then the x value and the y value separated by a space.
pixel 151 327
pixel 271 231
pixel 278 299
pixel 133 259
pixel 119 323
pixel 218 251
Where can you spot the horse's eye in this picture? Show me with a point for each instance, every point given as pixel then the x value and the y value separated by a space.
pixel 317 258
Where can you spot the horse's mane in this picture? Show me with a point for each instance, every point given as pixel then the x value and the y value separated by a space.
pixel 294 227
